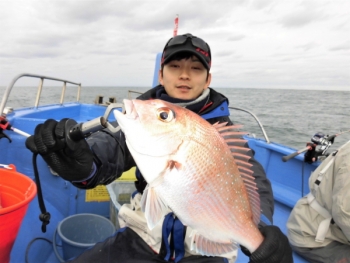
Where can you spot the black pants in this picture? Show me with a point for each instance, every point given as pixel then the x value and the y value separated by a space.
pixel 128 247
pixel 335 252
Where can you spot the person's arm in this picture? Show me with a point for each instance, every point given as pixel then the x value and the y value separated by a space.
pixel 86 164
pixel 264 190
pixel 262 182
pixel 111 157
pixel 275 248
pixel 341 195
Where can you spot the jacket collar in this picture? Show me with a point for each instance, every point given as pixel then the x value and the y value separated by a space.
pixel 214 99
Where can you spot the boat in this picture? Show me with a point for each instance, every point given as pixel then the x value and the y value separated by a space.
pixel 62 200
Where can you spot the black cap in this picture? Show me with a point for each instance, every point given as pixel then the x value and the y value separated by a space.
pixel 190 44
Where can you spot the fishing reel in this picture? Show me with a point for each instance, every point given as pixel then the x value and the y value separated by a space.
pixel 315 149
pixel 323 141
pixel 4 125
pixel 319 146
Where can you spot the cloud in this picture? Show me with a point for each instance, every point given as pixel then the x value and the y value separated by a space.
pixel 299 19
pixel 345 46
pixel 253 43
pixel 308 46
pixel 304 13
pixel 236 38
pixel 261 4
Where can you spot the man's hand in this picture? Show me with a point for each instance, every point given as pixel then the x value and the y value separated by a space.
pixel 310 156
pixel 72 160
pixel 274 249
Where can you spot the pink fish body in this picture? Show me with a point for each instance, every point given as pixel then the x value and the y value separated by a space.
pixel 191 171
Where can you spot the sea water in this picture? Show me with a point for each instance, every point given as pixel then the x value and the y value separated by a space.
pixel 289 117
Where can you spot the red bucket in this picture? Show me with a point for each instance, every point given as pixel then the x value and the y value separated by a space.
pixel 16 192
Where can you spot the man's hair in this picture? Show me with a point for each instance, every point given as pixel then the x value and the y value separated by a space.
pixel 178 57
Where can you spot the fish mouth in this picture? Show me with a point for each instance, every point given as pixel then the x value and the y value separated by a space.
pixel 130 111
pixel 129 116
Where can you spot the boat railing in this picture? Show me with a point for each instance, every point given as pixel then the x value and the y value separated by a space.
pixel 40 87
pixel 257 120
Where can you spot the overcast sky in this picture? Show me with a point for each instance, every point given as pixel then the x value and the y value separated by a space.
pixel 260 43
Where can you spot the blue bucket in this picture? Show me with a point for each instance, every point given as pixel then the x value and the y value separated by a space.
pixel 81 231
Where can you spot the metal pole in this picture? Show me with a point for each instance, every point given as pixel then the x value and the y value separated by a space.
pixel 63 92
pixel 39 93
pixel 78 95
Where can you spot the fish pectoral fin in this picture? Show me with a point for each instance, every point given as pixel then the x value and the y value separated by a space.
pixel 153 206
pixel 205 246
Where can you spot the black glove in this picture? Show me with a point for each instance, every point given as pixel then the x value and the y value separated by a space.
pixel 274 249
pixel 72 160
pixel 311 155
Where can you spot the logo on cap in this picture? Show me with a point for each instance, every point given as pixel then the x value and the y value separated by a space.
pixel 202 51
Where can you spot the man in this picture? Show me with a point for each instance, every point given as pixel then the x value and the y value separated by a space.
pixel 319 225
pixel 184 80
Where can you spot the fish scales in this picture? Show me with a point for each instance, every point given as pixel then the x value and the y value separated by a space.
pixel 190 171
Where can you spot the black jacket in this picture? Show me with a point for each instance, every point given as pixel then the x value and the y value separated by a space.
pixel 112 157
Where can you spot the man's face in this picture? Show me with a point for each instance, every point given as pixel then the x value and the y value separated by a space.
pixel 184 79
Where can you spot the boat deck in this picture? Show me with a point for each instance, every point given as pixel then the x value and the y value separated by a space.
pixel 44 250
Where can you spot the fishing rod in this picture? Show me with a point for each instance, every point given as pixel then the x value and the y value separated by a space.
pixel 77 131
pixel 84 129
pixel 5 125
pixel 323 142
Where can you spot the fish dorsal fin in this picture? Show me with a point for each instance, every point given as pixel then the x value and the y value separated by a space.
pixel 218 125
pixel 207 247
pixel 239 153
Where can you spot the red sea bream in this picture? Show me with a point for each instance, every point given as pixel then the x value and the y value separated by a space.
pixel 191 170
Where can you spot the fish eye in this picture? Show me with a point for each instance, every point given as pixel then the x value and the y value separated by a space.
pixel 165 114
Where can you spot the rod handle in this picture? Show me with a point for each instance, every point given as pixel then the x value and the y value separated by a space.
pixel 290 156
